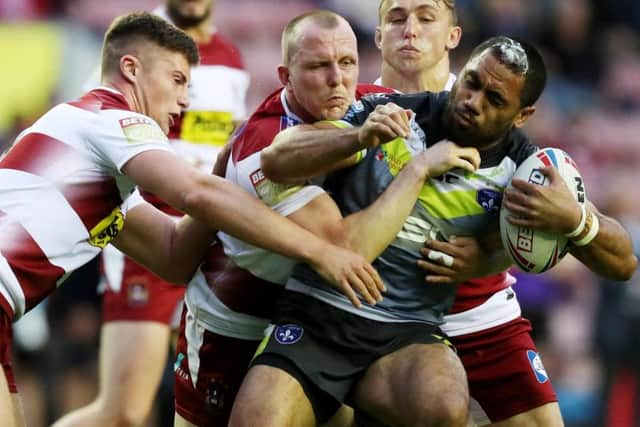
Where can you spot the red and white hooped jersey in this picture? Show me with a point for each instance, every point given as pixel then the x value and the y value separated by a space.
pixel 217 95
pixel 62 191
pixel 246 279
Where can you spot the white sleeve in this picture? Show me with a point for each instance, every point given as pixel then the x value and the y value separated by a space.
pixel 298 199
pixel 120 135
pixel 134 199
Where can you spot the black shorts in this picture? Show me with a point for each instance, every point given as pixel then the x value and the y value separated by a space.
pixel 328 350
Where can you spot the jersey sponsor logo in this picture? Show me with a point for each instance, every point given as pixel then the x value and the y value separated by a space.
pixel 141 129
pixel 271 193
pixel 256 177
pixel 490 200
pixel 107 229
pixel 536 365
pixel 288 334
pixel 207 127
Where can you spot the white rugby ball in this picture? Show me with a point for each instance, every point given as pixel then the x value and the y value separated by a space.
pixel 531 250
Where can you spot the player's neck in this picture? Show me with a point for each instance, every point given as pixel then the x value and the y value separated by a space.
pixel 128 91
pixel 294 107
pixel 202 32
pixel 433 80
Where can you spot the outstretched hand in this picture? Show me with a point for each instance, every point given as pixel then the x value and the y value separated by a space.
pixel 550 208
pixel 351 274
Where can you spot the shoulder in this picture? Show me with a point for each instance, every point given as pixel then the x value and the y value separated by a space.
pixel 261 128
pixel 423 101
pixel 519 146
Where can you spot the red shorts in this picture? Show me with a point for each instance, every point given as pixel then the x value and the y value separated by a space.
pixel 218 362
pixel 6 336
pixel 142 296
pixel 505 372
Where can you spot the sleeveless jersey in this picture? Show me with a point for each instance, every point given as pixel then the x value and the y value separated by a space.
pixel 62 191
pixel 457 203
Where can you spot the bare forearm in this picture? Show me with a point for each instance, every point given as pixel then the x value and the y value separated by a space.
pixel 171 250
pixel 610 254
pixel 229 208
pixel 299 154
pixel 371 230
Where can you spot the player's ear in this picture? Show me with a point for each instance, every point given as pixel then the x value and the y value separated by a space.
pixel 377 38
pixel 455 34
pixel 284 75
pixel 523 116
pixel 129 67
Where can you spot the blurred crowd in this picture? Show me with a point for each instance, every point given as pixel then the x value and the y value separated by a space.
pixel 588 330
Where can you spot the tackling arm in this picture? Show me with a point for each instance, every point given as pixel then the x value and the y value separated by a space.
pixel 371 230
pixel 224 206
pixel 305 151
pixel 178 247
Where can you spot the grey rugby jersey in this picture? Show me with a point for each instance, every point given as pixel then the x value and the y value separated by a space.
pixel 457 203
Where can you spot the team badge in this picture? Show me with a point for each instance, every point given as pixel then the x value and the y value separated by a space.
pixel 537 366
pixel 490 200
pixel 138 293
pixel 288 334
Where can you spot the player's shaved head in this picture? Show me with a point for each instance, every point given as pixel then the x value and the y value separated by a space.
pixel 131 33
pixel 291 35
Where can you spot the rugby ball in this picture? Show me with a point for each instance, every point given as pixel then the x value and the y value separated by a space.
pixel 535 251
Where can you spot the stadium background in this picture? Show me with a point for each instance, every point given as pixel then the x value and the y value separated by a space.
pixel 588 330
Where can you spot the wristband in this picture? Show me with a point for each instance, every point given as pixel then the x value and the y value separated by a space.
pixel 592 232
pixel 580 228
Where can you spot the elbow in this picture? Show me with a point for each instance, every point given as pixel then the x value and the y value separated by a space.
pixel 336 235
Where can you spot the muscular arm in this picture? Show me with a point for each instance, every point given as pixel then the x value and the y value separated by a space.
pixel 305 151
pixel 178 247
pixel 224 206
pixel 610 254
pixel 552 208
pixel 371 230
pixel 219 203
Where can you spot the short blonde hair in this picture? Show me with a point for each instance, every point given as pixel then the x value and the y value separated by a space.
pixel 450 4
pixel 289 43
